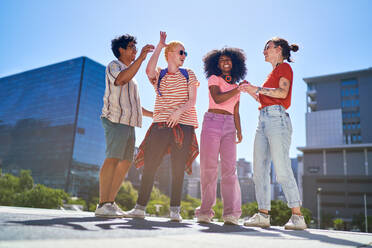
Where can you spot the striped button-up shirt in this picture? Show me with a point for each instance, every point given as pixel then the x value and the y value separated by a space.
pixel 121 103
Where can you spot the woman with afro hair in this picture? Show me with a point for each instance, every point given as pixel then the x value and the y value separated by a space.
pixel 220 133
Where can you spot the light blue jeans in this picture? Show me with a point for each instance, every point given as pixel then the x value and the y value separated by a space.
pixel 272 142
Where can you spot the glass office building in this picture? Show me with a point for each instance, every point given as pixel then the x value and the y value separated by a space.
pixel 50 123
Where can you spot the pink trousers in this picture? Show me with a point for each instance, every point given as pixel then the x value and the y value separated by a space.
pixel 218 138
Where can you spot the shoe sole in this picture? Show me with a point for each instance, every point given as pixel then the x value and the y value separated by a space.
pixel 262 226
pixel 135 217
pixel 203 222
pixel 295 228
pixel 174 220
pixel 231 223
pixel 108 216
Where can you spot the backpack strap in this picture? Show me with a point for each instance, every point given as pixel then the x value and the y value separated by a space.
pixel 185 73
pixel 162 73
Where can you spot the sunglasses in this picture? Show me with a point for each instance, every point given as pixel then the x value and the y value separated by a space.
pixel 133 47
pixel 182 52
pixel 267 47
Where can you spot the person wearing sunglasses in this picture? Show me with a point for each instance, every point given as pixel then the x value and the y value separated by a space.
pixel 273 136
pixel 173 127
pixel 220 134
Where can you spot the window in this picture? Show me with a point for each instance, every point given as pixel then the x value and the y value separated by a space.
pixel 350 82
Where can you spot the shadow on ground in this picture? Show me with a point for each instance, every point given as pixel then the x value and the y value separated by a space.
pixel 86 224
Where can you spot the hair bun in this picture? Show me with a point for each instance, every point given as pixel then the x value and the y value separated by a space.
pixel 294 47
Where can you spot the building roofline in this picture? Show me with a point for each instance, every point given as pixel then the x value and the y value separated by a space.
pixel 334 147
pixel 337 76
pixel 56 63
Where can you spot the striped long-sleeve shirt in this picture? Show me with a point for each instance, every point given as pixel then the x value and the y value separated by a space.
pixel 121 103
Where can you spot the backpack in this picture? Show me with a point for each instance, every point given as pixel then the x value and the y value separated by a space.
pixel 183 71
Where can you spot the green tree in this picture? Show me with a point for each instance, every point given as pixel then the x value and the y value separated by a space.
pixel 359 222
pixel 188 206
pixel 41 196
pixel 159 199
pixel 127 196
pixel 339 224
pixel 21 191
pixel 9 186
pixel 249 209
pixel 25 180
pixel 218 210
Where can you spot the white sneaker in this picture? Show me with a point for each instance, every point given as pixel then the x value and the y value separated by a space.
pixel 231 220
pixel 118 209
pixel 203 219
pixel 296 222
pixel 175 216
pixel 108 211
pixel 258 220
pixel 135 213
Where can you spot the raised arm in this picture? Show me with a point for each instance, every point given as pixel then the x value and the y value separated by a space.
pixel 151 69
pixel 126 75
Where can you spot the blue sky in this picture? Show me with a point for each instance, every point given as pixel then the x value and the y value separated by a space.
pixel 333 36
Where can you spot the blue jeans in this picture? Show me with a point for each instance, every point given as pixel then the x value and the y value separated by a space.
pixel 272 142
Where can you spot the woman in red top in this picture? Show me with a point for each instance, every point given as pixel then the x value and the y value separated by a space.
pixel 273 136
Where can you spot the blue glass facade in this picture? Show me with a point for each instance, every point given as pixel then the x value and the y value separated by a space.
pixel 50 124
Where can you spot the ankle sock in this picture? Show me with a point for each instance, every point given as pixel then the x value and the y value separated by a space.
pixel 103 203
pixel 137 206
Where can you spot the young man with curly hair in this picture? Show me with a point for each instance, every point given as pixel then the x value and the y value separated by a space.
pixel 121 113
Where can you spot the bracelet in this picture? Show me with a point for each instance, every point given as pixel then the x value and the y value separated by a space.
pixel 258 89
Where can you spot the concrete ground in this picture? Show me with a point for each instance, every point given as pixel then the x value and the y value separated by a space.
pixel 30 227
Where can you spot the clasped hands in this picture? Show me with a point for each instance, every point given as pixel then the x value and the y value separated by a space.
pixel 247 87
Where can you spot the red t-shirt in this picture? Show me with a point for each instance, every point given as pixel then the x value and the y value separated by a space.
pixel 272 81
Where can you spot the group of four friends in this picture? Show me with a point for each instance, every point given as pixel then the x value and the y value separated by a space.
pixel 175 120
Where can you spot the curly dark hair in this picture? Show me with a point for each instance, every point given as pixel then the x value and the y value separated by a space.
pixel 121 41
pixel 237 56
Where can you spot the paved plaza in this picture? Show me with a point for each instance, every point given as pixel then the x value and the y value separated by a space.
pixel 30 227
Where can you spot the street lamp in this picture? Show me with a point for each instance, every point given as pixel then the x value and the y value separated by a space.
pixel 319 190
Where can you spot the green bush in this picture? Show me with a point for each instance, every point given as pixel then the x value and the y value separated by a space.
pixel 21 191
pixel 41 196
pixel 127 196
pixel 338 224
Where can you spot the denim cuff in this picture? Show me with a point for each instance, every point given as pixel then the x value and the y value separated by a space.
pixel 294 204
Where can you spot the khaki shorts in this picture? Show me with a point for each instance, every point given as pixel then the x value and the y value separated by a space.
pixel 120 140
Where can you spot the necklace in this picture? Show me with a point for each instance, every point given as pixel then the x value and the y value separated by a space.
pixel 228 79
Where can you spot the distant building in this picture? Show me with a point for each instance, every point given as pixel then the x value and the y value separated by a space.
pixel 337 157
pixel 163 178
pixel 50 123
pixel 245 175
